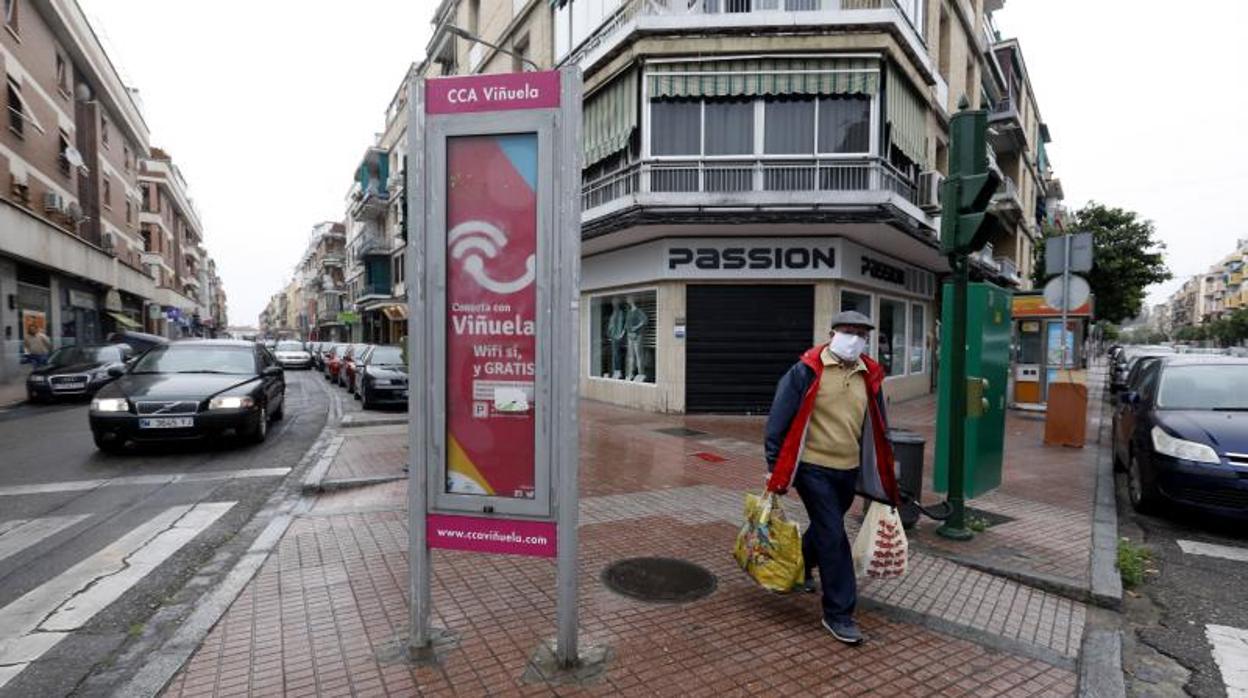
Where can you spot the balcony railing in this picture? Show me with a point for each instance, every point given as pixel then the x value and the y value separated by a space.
pixel 650 15
pixel 368 202
pixel 378 289
pixel 726 177
pixel 332 260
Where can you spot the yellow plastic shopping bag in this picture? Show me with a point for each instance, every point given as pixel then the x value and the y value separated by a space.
pixel 880 550
pixel 769 546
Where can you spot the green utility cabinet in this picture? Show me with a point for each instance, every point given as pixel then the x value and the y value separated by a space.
pixel 988 357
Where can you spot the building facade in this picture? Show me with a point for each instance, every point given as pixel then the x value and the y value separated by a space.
pixel 173 245
pixel 70 251
pixel 752 167
pixel 324 283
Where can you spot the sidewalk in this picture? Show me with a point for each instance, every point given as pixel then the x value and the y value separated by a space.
pixel 327 613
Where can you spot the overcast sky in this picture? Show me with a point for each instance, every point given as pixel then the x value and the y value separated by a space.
pixel 267 106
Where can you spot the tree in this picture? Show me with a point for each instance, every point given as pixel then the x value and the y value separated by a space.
pixel 1127 258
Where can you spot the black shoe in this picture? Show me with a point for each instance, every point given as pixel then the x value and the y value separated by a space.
pixel 809 585
pixel 845 631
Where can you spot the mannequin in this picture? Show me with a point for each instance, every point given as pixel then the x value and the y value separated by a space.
pixel 615 338
pixel 635 325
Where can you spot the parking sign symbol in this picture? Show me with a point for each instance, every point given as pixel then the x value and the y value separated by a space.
pixel 480 409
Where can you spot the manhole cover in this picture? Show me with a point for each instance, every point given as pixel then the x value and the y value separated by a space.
pixel 681 431
pixel 658 579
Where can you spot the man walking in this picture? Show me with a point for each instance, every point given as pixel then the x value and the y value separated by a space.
pixel 826 436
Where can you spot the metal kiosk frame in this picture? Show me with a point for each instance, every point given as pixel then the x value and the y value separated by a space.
pixel 555 390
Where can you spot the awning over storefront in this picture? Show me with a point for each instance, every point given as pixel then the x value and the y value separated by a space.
pixel 907 117
pixel 125 321
pixel 610 117
pixel 395 312
pixel 826 75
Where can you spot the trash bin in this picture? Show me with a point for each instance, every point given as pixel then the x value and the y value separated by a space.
pixel 908 450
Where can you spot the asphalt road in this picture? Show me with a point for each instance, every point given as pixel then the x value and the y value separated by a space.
pixel 1193 602
pixel 93 545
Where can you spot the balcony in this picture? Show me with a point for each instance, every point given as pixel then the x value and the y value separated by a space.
pixel 1005 131
pixel 333 260
pixel 370 196
pixel 790 183
pixel 327 317
pixel 902 18
pixel 1006 201
pixel 373 291
pixel 370 242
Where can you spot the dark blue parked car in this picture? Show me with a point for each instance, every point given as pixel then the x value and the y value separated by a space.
pixel 1181 433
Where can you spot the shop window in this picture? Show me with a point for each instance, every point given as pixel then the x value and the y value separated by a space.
pixel 623 335
pixel 918 338
pixel 891 350
pixel 852 300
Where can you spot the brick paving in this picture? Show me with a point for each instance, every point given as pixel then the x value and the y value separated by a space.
pixel 326 612
pixel 323 614
pixel 372 451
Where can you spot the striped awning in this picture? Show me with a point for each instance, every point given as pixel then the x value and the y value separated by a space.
pixel 765 76
pixel 907 116
pixel 609 118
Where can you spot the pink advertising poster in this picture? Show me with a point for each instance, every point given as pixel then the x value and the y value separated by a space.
pixel 491 322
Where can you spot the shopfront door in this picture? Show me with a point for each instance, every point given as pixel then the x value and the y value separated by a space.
pixel 741 340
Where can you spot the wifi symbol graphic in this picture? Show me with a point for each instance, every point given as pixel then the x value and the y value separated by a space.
pixel 475 241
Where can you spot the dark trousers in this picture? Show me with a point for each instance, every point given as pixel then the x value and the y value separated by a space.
pixel 828 494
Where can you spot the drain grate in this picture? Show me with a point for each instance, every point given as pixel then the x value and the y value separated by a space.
pixel 681 431
pixel 662 579
pixel 989 518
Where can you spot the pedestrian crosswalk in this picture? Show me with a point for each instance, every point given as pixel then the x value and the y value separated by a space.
pixel 1229 645
pixel 34 623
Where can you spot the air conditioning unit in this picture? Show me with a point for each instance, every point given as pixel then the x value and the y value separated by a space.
pixel 929 190
pixel 74 211
pixel 108 243
pixel 53 202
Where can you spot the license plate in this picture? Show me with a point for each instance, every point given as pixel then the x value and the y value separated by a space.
pixel 166 422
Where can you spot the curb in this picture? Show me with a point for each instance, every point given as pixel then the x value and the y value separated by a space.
pixel 352 420
pixel 1106 581
pixel 1100 665
pixel 354 482
pixel 314 481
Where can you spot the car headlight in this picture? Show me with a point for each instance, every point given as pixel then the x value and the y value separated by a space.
pixel 109 404
pixel 230 402
pixel 1168 445
pixel 33 378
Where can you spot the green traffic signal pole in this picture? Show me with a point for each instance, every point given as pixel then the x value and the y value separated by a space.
pixel 955 526
pixel 965 226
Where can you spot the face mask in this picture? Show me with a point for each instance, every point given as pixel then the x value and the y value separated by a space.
pixel 847 346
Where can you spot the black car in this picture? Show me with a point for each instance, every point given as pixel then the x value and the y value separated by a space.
pixel 137 341
pixel 76 371
pixel 1121 366
pixel 382 378
pixel 1181 433
pixel 190 390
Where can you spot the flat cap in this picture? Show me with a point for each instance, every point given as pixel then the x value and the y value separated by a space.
pixel 852 317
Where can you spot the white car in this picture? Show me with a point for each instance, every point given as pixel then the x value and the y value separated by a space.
pixel 292 354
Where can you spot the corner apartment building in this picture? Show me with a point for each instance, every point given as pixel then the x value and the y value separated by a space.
pixel 70 250
pixel 323 283
pixel 755 166
pixel 172 244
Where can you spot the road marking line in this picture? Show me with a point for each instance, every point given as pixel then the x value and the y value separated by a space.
pixel 1226 552
pixel 82 485
pixel 15 538
pixel 34 623
pixel 1230 653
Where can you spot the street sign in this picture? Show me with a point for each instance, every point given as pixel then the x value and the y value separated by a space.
pixel 1080 253
pixel 493 322
pixel 1077 295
